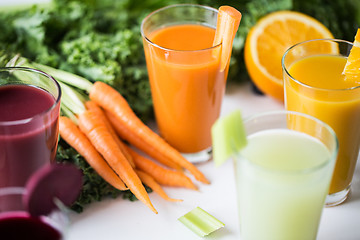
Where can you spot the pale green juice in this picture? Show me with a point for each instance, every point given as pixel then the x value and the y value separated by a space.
pixel 283 178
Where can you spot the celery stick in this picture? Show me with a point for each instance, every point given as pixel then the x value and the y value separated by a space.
pixel 72 99
pixel 65 77
pixel 201 222
pixel 228 137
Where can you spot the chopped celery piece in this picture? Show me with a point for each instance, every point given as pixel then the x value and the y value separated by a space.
pixel 228 137
pixel 201 222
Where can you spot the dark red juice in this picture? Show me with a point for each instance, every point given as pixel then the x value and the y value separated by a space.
pixel 28 132
pixel 21 226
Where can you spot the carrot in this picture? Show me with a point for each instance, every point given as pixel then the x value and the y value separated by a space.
pixel 141 135
pixel 96 130
pixel 126 134
pixel 91 105
pixel 161 175
pixel 228 21
pixel 76 139
pixel 149 181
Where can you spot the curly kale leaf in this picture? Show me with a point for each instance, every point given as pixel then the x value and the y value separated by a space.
pixel 342 17
pixel 95 188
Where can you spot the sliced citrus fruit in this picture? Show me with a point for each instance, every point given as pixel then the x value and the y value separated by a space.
pixel 352 66
pixel 268 40
pixel 228 21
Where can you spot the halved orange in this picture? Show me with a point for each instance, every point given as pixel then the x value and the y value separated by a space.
pixel 352 67
pixel 268 40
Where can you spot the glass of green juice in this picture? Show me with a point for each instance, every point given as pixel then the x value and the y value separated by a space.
pixel 283 175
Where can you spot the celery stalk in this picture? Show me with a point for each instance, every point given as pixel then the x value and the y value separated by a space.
pixel 201 222
pixel 72 99
pixel 65 77
pixel 228 137
pixel 67 112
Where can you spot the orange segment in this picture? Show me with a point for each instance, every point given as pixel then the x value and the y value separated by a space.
pixel 227 25
pixel 268 40
pixel 352 66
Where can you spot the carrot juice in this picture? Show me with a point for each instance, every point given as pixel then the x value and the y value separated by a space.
pixel 316 86
pixel 186 85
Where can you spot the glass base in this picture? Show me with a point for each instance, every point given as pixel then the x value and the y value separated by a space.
pixel 198 157
pixel 335 199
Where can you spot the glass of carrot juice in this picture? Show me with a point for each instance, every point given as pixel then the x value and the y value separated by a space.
pixel 314 84
pixel 187 84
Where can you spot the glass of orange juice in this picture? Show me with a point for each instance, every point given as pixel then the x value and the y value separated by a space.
pixel 187 84
pixel 314 84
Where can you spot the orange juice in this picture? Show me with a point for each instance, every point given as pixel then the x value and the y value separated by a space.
pixel 331 99
pixel 187 85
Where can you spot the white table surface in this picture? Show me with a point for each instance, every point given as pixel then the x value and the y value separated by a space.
pixel 114 219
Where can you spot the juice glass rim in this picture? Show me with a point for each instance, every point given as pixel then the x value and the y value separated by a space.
pixel 306 85
pixel 174 6
pixel 12 191
pixel 332 157
pixel 26 69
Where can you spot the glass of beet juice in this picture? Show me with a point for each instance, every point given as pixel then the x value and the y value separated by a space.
pixel 29 113
pixel 18 224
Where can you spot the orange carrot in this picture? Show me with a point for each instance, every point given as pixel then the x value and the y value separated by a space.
pixel 141 135
pixel 96 130
pixel 149 181
pixel 91 105
pixel 161 175
pixel 228 21
pixel 126 134
pixel 76 139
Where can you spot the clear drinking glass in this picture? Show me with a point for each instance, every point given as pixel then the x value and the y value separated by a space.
pixel 29 113
pixel 283 175
pixel 187 85
pixel 17 223
pixel 338 106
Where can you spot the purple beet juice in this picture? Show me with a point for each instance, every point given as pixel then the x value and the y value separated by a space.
pixel 28 132
pixel 21 226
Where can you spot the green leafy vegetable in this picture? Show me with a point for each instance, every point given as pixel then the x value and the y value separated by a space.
pixel 95 188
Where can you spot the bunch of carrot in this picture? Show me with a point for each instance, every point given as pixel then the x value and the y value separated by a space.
pixel 98 132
